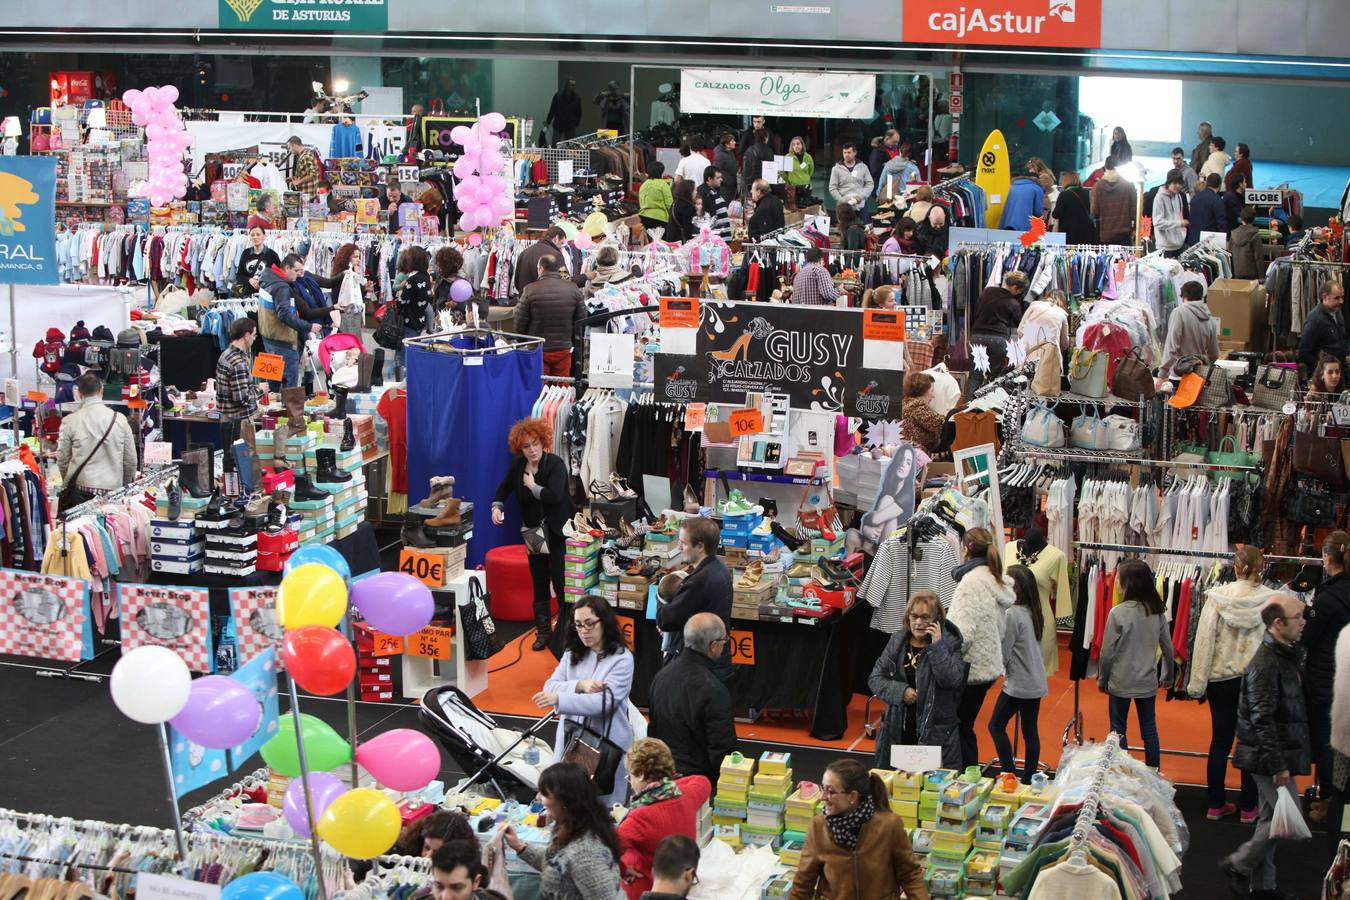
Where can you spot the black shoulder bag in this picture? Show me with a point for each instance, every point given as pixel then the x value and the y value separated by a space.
pixel 71 493
pixel 593 751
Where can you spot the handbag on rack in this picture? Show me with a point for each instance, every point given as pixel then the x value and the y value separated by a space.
pixel 812 522
pixel 1319 456
pixel 1312 507
pixel 1218 390
pixel 1228 457
pixel 1042 428
pixel 1048 380
pixel 1087 372
pixel 593 751
pixel 1274 386
pixel 1132 379
pixel 1191 385
pixel 1088 432
pixel 480 631
pixel 1123 434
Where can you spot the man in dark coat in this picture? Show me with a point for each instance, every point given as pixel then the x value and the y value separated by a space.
pixel 1323 329
pixel 564 113
pixel 1207 212
pixel 550 308
pixel 691 709
pixel 706 589
pixel 768 215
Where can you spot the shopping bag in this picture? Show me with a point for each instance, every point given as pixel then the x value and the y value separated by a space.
pixel 1287 823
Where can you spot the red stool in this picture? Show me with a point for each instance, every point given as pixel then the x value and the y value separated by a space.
pixel 510 585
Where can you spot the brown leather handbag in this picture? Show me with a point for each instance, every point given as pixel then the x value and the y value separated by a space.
pixel 1132 379
pixel 1318 456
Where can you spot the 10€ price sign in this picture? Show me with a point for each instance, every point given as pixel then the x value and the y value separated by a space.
pixel 428 568
pixel 746 421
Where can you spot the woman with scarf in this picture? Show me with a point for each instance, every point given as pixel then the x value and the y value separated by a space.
pixel 661 805
pixel 858 849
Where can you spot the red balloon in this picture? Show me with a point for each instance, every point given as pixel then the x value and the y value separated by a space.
pixel 319 658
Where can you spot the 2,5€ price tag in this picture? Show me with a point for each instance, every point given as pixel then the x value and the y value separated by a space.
pixel 388 644
pixel 746 421
pixel 432 642
pixel 269 367
pixel 428 568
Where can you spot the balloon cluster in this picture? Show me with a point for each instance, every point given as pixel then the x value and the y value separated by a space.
pixel 166 139
pixel 480 189
pixel 152 685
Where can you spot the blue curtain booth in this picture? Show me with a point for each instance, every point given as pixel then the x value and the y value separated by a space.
pixel 461 406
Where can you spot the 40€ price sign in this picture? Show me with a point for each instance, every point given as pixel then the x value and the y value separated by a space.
pixel 428 568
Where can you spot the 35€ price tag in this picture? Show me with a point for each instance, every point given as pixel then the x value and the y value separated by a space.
pixel 269 367
pixel 388 644
pixel 432 642
pixel 428 568
pixel 746 421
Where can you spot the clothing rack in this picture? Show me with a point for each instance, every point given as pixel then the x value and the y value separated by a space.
pixel 256 778
pixel 1204 554
pixel 1070 454
pixel 1084 825
pixel 151 479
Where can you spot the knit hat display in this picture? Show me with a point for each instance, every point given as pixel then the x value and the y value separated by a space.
pixel 54 336
pixel 79 332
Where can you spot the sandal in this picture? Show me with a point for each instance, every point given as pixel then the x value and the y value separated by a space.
pixel 620 484
pixel 603 490
pixel 609 561
pixel 799 570
pixel 753 573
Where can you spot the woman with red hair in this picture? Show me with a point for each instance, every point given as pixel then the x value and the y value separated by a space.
pixel 539 481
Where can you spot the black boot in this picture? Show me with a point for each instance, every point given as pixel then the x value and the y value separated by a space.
pixel 339 402
pixel 416 536
pixel 348 436
pixel 542 635
pixel 328 472
pixel 377 368
pixel 276 518
pixel 175 501
pixel 218 503
pixel 189 478
pixel 305 490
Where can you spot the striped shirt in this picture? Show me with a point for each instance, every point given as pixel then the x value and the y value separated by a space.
pixel 813 286
pixel 893 577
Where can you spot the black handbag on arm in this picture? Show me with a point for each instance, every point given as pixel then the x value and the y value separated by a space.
pixel 593 751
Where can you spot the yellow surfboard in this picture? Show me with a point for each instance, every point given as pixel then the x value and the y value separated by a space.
pixel 992 173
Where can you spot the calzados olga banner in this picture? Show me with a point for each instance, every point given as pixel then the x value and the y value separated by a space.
pixel 824 359
pixel 748 92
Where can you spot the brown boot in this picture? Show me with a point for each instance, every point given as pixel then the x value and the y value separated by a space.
pixel 442 488
pixel 449 515
pixel 365 367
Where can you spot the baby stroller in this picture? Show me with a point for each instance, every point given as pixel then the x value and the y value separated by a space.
pixel 485 750
pixel 323 353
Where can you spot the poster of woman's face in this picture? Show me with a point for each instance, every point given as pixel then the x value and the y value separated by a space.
pixel 895 499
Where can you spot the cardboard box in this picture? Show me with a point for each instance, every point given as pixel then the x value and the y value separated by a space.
pixel 1240 306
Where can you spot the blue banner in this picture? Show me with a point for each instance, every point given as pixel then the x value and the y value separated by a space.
pixel 194 766
pixel 260 675
pixel 28 220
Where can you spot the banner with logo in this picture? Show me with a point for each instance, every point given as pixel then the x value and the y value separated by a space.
pixel 752 92
pixel 436 134
pixel 257 626
pixel 1009 23
pixel 28 220
pixel 259 675
pixel 46 616
pixel 175 617
pixel 305 15
pixel 826 359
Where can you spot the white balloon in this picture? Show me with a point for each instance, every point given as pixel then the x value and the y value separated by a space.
pixel 150 684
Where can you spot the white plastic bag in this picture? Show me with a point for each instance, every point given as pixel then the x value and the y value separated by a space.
pixel 1287 822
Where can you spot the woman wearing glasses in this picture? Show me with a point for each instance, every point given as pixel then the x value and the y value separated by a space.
pixel 921 676
pixel 859 849
pixel 662 805
pixel 590 685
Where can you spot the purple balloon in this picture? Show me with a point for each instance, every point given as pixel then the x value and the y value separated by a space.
pixel 327 788
pixel 393 602
pixel 220 713
pixel 460 290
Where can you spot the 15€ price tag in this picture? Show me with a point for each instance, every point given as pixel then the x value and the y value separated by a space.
pixel 432 642
pixel 428 568
pixel 388 645
pixel 269 367
pixel 746 421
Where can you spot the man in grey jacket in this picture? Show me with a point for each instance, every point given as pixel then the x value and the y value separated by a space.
pixel 1169 215
pixel 96 462
pixel 1191 331
pixel 850 179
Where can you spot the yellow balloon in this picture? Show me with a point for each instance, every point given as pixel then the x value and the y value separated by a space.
pixel 361 823
pixel 312 594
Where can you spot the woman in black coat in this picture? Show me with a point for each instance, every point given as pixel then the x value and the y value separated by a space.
pixel 921 676
pixel 1073 210
pixel 538 479
pixel 681 225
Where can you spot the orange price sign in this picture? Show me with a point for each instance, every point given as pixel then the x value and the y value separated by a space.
pixel 626 629
pixel 388 644
pixel 742 648
pixel 746 421
pixel 694 416
pixel 428 568
pixel 432 642
pixel 137 403
pixel 1145 228
pixel 269 367
pixel 884 325
pixel 37 396
pixel 680 312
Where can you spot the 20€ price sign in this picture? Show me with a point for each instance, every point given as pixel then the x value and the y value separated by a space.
pixel 269 367
pixel 428 568
pixel 432 642
pixel 746 421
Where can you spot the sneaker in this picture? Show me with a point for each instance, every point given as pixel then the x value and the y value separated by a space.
pixel 1237 882
pixel 1218 812
pixel 1249 816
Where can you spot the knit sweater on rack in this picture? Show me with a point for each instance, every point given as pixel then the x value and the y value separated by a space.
pixel 1228 634
pixel 977 611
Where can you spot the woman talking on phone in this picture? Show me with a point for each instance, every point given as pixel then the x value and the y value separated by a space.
pixel 921 676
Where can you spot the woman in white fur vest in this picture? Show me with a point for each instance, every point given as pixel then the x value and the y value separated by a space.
pixel 982 594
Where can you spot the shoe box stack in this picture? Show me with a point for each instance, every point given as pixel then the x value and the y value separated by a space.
pixel 176 547
pixel 191 506
pixel 746 598
pixel 663 546
pixel 906 789
pixel 801 807
pixel 275 547
pixel 368 425
pixel 736 529
pixel 317 518
pixel 367 435
pixel 374 673
pixel 958 813
pixel 349 503
pixel 767 801
pixel 581 566
pixel 298 446
pixel 456 535
pixel 762 540
pixel 731 801
pixel 230 549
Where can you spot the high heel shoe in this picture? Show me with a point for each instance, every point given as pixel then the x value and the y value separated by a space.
pixel 791 541
pixel 620 484
pixel 691 502
pixel 602 490
pixel 752 575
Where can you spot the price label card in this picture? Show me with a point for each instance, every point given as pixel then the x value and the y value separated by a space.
pixel 13 393
pixel 37 396
pixel 158 453
pixel 746 421
pixel 137 403
pixel 565 171
pixel 428 568
pixel 694 416
pixel 269 367
pixel 680 312
pixel 884 325
pixel 166 887
pixel 388 644
pixel 916 757
pixel 742 647
pixel 432 642
pixel 408 173
pixel 1145 228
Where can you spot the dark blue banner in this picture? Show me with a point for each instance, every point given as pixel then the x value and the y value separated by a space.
pixel 28 220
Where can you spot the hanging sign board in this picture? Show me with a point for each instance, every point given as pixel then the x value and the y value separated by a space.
pixel 1263 196
pixel 28 220
pixel 174 617
pixel 46 616
pixel 268 367
pixel 916 757
pixel 432 642
pixel 428 568
pixel 305 15
pixel 1008 23
pixel 750 92
pixel 610 363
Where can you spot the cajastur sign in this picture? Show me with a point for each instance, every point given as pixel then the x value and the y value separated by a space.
pixel 1010 23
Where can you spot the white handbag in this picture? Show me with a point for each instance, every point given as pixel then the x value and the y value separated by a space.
pixel 1122 433
pixel 1042 428
pixel 1088 432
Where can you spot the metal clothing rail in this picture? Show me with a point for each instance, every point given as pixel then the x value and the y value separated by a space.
pixel 150 479
pixel 1068 454
pixel 441 341
pixel 1205 554
pixel 1085 824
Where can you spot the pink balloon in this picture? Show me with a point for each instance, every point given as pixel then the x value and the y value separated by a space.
pixel 188 140
pixel 460 133
pixel 151 95
pixel 583 240
pixel 472 154
pixel 468 184
pixel 490 143
pixel 493 121
pixel 503 207
pixel 485 194
pixel 169 92
pixel 139 117
pixel 154 132
pixel 464 167
pixel 497 183
pixel 132 98
pixel 490 163
pixel 401 759
pixel 475 239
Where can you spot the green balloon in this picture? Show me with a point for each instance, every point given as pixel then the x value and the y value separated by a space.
pixel 324 748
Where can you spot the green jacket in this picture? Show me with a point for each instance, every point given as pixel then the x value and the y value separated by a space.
pixel 800 170
pixel 655 199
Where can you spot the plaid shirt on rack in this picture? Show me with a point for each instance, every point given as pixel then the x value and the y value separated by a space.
pixel 813 286
pixel 305 175
pixel 236 393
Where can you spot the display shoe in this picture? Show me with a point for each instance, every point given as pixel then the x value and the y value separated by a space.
pixel 770 507
pixel 449 514
pixel 764 529
pixel 175 501
pixel 636 568
pixel 305 489
pixel 348 436
pixel 649 568
pixel 836 570
pixel 691 502
pixel 799 570
pixel 609 561
pixel 328 472
pixel 415 536
pixel 603 490
pixel 791 541
pixel 626 531
pixel 377 368
pixel 753 573
pixel 206 474
pixel 365 365
pixel 217 504
pixel 276 513
pixel 244 459
pixel 256 509
pixel 442 488
pixel 293 399
pixel 825 579
pixel 582 528
pixel 192 473
pixel 339 402
pixel 736 505
pixel 621 485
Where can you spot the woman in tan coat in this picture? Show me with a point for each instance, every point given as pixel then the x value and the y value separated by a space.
pixel 859 849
